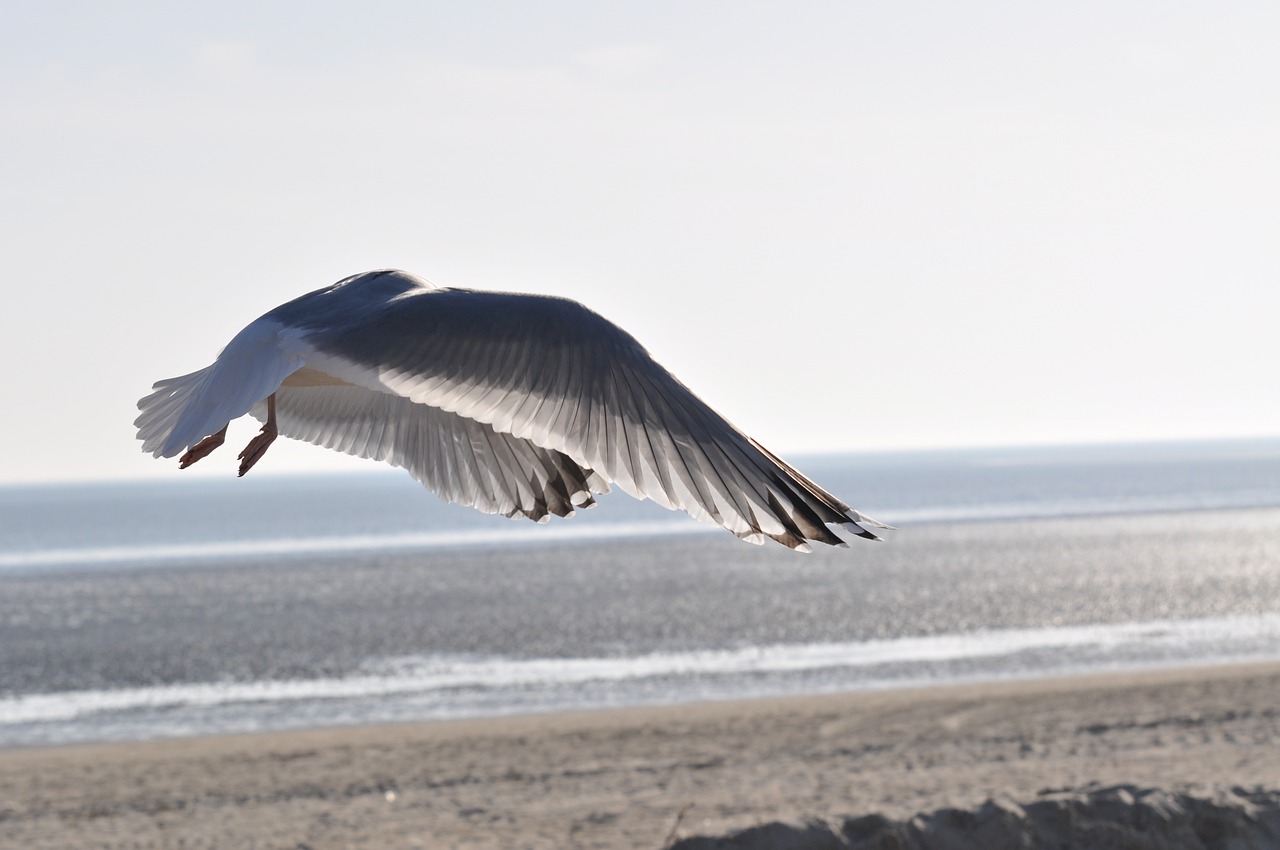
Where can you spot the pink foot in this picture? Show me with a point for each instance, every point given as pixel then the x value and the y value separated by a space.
pixel 202 448
pixel 256 449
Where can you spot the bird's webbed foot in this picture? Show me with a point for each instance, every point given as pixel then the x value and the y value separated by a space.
pixel 202 448
pixel 258 445
pixel 256 449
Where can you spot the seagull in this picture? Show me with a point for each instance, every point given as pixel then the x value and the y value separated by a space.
pixel 514 404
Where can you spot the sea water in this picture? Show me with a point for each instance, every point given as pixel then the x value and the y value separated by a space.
pixel 190 607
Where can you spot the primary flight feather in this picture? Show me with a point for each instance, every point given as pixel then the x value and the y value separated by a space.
pixel 520 405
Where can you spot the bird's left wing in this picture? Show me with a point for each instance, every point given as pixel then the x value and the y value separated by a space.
pixel 552 372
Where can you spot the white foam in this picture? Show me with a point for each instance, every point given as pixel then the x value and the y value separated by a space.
pixel 1185 640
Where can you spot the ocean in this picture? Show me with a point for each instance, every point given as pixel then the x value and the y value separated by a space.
pixel 182 607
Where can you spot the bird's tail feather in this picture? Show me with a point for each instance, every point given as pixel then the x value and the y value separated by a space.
pixel 163 408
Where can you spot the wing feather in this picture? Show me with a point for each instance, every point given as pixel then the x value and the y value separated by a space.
pixel 462 460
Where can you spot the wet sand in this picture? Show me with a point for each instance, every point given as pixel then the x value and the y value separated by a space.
pixel 648 778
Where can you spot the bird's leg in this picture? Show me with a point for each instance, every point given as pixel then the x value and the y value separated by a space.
pixel 202 448
pixel 258 445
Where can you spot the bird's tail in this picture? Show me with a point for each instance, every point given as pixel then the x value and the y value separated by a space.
pixel 183 410
pixel 162 410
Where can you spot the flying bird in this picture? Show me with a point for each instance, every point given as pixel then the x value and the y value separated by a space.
pixel 520 405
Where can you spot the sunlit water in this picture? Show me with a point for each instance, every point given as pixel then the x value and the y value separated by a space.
pixel 193 607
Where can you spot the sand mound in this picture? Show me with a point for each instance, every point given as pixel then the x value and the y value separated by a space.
pixel 1116 818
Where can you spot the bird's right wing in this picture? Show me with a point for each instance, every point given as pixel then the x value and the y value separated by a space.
pixel 459 459
pixel 549 371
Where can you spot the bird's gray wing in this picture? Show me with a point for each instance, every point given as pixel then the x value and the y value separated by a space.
pixel 461 460
pixel 549 371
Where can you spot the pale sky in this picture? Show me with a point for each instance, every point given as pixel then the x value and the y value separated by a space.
pixel 848 226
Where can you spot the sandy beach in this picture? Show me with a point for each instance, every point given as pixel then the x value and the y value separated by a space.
pixel 650 778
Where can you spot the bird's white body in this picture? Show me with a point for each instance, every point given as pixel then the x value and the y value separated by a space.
pixel 514 404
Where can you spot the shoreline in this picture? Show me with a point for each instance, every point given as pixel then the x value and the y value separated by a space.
pixel 621 777
pixel 876 686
